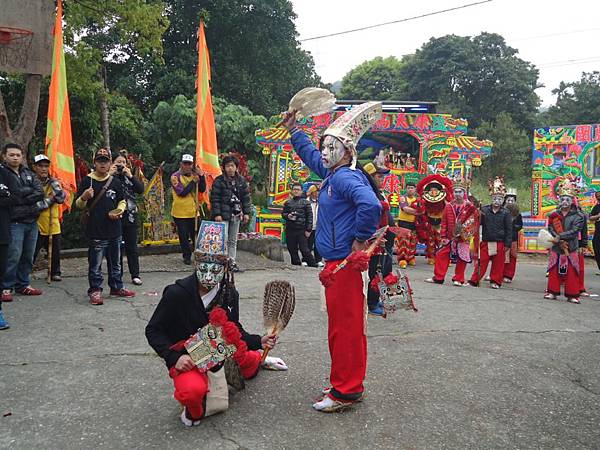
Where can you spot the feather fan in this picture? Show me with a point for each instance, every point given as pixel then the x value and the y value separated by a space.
pixel 278 306
pixel 312 101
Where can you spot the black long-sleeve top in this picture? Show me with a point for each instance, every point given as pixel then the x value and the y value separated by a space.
pixel 131 187
pixel 302 217
pixel 517 226
pixel 180 313
pixel 496 226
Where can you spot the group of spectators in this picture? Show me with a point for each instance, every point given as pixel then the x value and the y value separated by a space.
pixel 31 207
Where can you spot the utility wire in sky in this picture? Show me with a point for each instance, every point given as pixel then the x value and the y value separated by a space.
pixel 527 38
pixel 395 21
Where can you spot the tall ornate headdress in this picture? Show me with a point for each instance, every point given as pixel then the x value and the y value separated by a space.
pixel 567 187
pixel 211 243
pixel 511 192
pixel 496 186
pixel 352 125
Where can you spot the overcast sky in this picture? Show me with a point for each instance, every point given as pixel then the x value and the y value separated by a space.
pixel 559 36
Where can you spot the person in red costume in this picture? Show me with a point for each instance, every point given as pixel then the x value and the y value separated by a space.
pixel 459 223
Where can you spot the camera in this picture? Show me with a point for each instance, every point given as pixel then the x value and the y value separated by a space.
pixel 119 170
pixel 236 206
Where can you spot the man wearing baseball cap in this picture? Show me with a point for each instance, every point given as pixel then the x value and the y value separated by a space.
pixel 185 203
pixel 102 201
pixel 49 219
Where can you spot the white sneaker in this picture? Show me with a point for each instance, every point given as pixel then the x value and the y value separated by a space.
pixel 507 280
pixel 188 422
pixel 458 283
pixel 304 264
pixel 329 405
pixel 487 278
pixel 320 264
pixel 549 296
pixel 574 300
pixel 494 286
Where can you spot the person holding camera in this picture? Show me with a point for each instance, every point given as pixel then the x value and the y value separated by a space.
pixel 27 203
pixel 185 203
pixel 129 222
pixel 298 217
pixel 49 220
pixel 230 202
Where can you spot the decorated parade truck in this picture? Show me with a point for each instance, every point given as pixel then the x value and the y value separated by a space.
pixel 411 139
pixel 560 153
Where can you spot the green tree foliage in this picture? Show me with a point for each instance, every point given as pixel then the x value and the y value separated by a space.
pixel 511 156
pixel 577 102
pixel 256 59
pixel 481 77
pixel 377 79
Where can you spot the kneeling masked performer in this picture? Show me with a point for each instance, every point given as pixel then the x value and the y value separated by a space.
pixel 196 330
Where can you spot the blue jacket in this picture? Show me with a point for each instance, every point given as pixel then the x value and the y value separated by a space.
pixel 348 207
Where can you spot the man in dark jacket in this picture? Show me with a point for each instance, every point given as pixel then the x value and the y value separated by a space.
pixel 27 203
pixel 5 201
pixel 496 240
pixel 297 214
pixel 230 202
pixel 185 308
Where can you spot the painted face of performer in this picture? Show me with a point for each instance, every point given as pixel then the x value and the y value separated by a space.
pixel 459 195
pixel 497 200
pixel 332 153
pixel 510 200
pixel 210 274
pixel 565 201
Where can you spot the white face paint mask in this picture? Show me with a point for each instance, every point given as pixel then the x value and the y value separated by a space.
pixel 459 194
pixel 209 274
pixel 566 201
pixel 332 152
pixel 497 200
pixel 510 200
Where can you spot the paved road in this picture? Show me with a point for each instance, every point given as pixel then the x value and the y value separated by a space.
pixel 474 368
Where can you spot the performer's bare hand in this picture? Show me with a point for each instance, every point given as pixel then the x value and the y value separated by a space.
pixel 246 218
pixel 445 241
pixel 268 341
pixel 87 194
pixel 218 219
pixel 114 215
pixel 507 255
pixel 184 363
pixel 307 234
pixel 289 119
pixel 359 246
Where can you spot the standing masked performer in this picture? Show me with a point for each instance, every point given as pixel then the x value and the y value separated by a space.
pixel 496 237
pixel 434 191
pixel 185 307
pixel 565 224
pixel 406 242
pixel 459 224
pixel 349 213
pixel 510 203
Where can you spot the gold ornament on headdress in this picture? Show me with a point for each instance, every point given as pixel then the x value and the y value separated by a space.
pixel 567 187
pixel 496 186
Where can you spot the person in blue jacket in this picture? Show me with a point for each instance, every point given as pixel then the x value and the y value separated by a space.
pixel 348 215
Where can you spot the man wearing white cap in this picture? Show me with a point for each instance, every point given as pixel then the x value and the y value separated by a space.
pixel 49 219
pixel 185 203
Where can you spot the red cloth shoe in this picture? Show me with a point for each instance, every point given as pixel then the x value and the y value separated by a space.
pixel 29 291
pixel 96 298
pixel 122 293
pixel 7 296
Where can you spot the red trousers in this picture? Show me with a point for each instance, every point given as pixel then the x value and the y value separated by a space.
pixel 571 281
pixel 497 270
pixel 511 267
pixel 442 261
pixel 346 333
pixel 581 273
pixel 191 386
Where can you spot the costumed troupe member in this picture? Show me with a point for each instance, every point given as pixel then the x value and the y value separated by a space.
pixel 459 223
pixel 565 224
pixel 230 202
pixel 102 200
pixel 185 203
pixel 510 203
pixel 595 218
pixel 434 192
pixel 496 237
pixel 583 244
pixel 406 242
pixel 313 199
pixel 129 222
pixel 5 202
pixel 27 201
pixel 49 219
pixel 185 307
pixel 298 217
pixel 349 213
pixel 380 262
